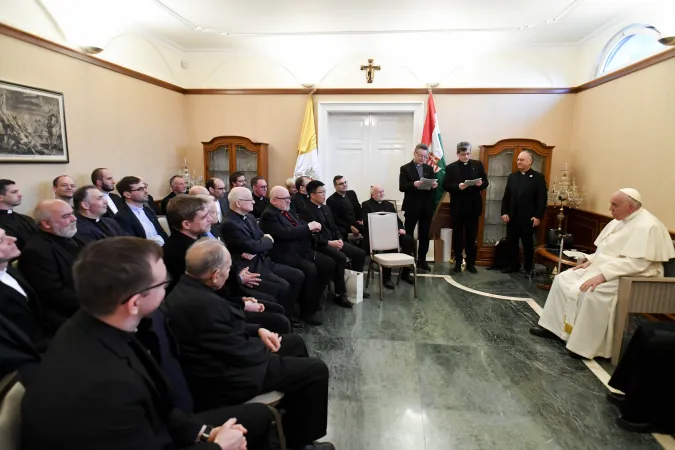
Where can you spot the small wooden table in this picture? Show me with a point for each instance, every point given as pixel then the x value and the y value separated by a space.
pixel 565 262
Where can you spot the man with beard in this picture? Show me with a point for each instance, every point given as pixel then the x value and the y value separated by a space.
pixel 103 180
pixel 135 216
pixel 216 188
pixel 300 200
pixel 17 225
pixel 47 260
pixel 178 186
pixel 90 207
pixel 64 188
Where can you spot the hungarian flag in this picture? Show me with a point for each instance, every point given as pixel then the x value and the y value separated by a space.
pixel 431 136
pixel 307 163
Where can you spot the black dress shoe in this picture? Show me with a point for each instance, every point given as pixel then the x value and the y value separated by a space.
pixel 296 323
pixel 510 270
pixel 639 427
pixel 542 332
pixel 408 278
pixel 388 284
pixel 423 265
pixel 458 268
pixel 365 295
pixel 471 268
pixel 313 318
pixel 342 300
pixel 318 446
pixel 575 355
pixel 616 398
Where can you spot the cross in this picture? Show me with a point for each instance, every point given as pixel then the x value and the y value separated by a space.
pixel 370 70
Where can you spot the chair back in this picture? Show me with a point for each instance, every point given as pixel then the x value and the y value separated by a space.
pixel 669 267
pixel 11 394
pixel 383 231
pixel 165 224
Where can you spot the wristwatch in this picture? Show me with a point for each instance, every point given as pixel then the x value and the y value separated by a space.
pixel 205 434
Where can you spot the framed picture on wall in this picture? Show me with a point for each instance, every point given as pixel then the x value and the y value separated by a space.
pixel 32 125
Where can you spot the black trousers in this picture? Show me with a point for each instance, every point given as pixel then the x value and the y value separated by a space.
pixel 304 382
pixel 272 318
pixel 464 232
pixel 646 373
pixel 318 272
pixel 407 244
pixel 520 231
pixel 255 417
pixel 274 285
pixel 357 255
pixel 295 278
pixel 412 218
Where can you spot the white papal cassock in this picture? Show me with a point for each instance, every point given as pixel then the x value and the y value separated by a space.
pixel 634 247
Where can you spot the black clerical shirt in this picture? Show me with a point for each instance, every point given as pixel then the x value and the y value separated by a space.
pixel 17 225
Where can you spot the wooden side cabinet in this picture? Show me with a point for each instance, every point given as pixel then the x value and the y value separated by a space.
pixel 224 155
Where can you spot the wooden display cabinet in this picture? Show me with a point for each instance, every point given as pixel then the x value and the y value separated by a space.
pixel 224 155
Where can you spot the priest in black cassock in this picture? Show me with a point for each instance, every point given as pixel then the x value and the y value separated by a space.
pixel 90 208
pixel 259 188
pixel 378 204
pixel 344 204
pixel 523 208
pixel 16 225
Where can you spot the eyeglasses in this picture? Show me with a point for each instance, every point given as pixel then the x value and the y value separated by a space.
pixel 142 188
pixel 164 284
pixel 220 189
pixel 320 192
pixel 262 187
pixel 341 183
pixel 285 199
pixel 246 200
pixel 422 156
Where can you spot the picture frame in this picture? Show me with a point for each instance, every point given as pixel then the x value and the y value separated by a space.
pixel 32 125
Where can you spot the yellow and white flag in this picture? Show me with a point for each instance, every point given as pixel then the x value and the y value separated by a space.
pixel 307 163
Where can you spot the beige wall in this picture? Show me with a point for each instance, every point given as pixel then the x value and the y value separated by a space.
pixel 132 127
pixel 623 136
pixel 480 119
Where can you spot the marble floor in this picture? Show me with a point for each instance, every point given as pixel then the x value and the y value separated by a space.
pixel 458 370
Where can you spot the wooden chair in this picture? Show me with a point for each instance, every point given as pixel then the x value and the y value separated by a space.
pixel 11 394
pixel 383 237
pixel 272 400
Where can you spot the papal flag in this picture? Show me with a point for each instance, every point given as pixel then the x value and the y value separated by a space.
pixel 431 136
pixel 307 163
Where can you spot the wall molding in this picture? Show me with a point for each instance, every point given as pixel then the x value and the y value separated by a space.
pixel 20 35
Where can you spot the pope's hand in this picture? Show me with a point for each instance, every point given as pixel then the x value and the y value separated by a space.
pixel 583 265
pixel 593 283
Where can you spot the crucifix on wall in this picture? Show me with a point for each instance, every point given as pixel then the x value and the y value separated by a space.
pixel 370 70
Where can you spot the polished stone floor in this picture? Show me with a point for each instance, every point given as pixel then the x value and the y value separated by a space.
pixel 457 370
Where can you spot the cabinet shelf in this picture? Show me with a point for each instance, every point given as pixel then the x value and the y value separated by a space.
pixel 224 155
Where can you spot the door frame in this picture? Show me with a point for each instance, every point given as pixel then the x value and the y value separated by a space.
pixel 326 108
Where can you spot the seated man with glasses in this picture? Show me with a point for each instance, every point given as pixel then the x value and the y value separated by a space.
pixel 345 206
pixel 259 188
pixel 134 215
pixel 98 387
pixel 330 241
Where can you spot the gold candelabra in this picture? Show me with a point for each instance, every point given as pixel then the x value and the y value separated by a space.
pixel 193 180
pixel 562 194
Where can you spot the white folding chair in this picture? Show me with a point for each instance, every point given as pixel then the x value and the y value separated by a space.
pixel 272 400
pixel 383 237
pixel 11 394
pixel 165 224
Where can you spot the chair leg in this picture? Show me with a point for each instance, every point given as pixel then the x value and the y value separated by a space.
pixel 381 286
pixel 370 270
pixel 415 279
pixel 280 428
pixel 398 280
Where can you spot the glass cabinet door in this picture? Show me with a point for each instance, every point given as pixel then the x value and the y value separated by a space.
pixel 538 161
pixel 499 169
pixel 247 162
pixel 219 163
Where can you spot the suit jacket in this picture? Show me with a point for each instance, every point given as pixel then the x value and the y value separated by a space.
pixel 117 200
pixel 130 223
pixel 93 391
pixel 47 264
pixel 17 225
pixel 469 200
pixel 343 210
pixel 525 196
pixel 93 231
pixel 165 202
pixel 299 203
pixel 174 251
pixel 416 200
pixel 323 215
pixel 18 352
pixel 24 312
pixel 291 242
pixel 152 204
pixel 259 205
pixel 223 359
pixel 245 237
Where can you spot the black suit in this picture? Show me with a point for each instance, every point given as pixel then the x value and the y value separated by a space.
pixel 130 223
pixel 524 197
pixel 272 318
pixel 47 263
pixel 344 212
pixel 466 206
pixel 330 232
pixel 418 205
pixel 299 204
pixel 24 311
pixel 18 225
pixel 17 352
pixel 243 235
pixel 293 247
pixel 225 362
pixel 117 200
pixel 98 389
pixel 165 202
pixel 259 205
pixel 97 229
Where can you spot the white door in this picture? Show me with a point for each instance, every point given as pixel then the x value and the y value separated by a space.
pixel 369 149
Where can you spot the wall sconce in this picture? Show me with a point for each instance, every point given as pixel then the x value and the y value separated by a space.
pixel 92 50
pixel 307 85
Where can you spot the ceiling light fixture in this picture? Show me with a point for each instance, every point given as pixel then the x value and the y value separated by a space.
pixel 571 7
pixel 667 40
pixel 92 50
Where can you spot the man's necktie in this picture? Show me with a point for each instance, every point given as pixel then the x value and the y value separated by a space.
pixel 290 219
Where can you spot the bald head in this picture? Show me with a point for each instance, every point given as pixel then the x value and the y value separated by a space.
pixel 280 198
pixel 241 200
pixel 198 190
pixel 208 258
pixel 56 217
pixel 623 205
pixel 524 161
pixel 377 193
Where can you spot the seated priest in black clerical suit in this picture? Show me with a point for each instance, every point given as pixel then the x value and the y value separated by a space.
pixel 293 247
pixel 189 218
pixel 104 181
pixel 330 241
pixel 46 261
pixel 346 209
pixel 18 301
pixel 259 188
pixel 134 215
pixel 645 377
pixel 229 361
pixel 378 204
pixel 178 186
pixel 300 200
pixel 218 191
pixel 90 207
pixel 18 225
pixel 98 387
pixel 249 247
pixel 18 353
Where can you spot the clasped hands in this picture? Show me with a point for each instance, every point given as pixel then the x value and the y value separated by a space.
pixel 314 227
pixel 249 279
pixel 251 305
pixel 229 436
pixel 535 221
pixel 271 340
pixel 336 244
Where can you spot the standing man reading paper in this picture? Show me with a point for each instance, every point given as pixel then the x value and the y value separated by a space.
pixel 418 202
pixel 466 203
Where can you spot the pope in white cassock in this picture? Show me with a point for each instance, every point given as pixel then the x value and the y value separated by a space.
pixel 580 307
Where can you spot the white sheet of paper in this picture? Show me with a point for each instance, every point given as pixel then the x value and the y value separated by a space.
pixel 471 182
pixel 427 183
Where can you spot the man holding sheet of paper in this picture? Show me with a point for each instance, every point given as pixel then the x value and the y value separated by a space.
pixel 464 180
